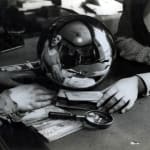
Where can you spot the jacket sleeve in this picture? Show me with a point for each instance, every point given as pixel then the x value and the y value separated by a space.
pixel 127 46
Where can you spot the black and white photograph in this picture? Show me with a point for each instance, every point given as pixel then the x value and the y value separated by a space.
pixel 74 74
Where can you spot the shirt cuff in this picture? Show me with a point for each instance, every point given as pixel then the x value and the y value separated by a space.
pixel 146 80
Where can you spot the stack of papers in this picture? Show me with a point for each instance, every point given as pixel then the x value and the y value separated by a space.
pixel 76 82
pixel 82 96
pixel 50 128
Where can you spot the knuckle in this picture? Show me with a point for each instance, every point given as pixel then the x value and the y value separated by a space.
pixel 116 107
pixel 131 105
pixel 112 101
pixel 122 102
pixel 118 96
pixel 43 97
pixel 99 103
pixel 112 90
pixel 113 109
pixel 31 106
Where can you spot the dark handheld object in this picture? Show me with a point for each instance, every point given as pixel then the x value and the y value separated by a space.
pixel 95 119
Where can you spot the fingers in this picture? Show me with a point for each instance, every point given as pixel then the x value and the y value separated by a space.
pixel 113 101
pixel 12 83
pixel 129 106
pixel 40 104
pixel 42 98
pixel 44 91
pixel 58 76
pixel 118 106
pixel 106 89
pixel 43 94
pixel 38 89
pixel 108 94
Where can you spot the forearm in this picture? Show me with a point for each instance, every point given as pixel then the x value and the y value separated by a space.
pixel 130 49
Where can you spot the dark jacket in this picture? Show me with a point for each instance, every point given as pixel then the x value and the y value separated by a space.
pixel 133 38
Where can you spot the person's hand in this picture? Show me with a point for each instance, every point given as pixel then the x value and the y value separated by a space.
pixel 121 96
pixel 33 96
pixel 7 106
pixel 57 73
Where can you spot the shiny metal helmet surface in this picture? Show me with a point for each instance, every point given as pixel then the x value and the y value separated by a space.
pixel 81 47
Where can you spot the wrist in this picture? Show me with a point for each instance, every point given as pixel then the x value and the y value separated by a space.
pixel 10 109
pixel 142 88
pixel 10 105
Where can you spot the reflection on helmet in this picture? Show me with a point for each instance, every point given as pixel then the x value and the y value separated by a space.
pixel 85 48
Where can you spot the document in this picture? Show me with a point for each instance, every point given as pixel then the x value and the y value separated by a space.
pixel 50 128
pixel 85 96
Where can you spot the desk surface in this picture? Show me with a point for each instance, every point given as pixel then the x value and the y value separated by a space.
pixel 129 131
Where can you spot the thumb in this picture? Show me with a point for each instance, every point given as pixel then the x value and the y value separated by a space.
pixel 12 83
pixel 106 89
pixel 102 99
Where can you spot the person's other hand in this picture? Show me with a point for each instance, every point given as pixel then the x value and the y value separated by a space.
pixel 33 96
pixel 121 96
pixel 57 73
pixel 12 79
pixel 51 57
pixel 6 79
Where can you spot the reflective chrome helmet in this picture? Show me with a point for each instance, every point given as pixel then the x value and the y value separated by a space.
pixel 84 48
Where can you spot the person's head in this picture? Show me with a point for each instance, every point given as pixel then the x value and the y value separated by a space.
pixel 56 40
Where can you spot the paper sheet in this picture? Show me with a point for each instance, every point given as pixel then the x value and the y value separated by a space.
pixel 79 82
pixel 91 96
pixel 50 128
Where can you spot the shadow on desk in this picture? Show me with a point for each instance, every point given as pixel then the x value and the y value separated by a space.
pixel 16 136
pixel 125 68
pixel 122 68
